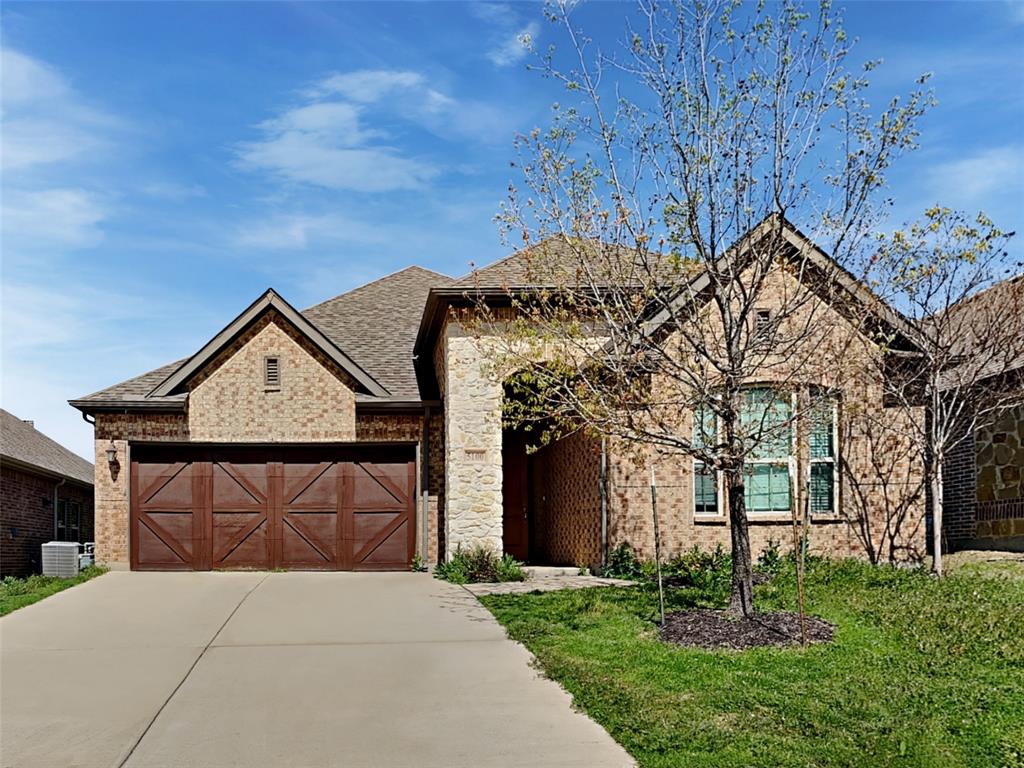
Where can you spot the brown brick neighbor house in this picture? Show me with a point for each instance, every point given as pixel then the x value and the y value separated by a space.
pixel 45 495
pixel 367 429
pixel 984 473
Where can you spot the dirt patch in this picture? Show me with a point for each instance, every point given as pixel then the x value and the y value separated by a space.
pixel 706 628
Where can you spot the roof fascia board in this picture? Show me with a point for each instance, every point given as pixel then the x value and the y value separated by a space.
pixel 121 406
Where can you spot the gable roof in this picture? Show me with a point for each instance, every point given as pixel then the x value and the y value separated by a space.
pixel 976 315
pixel 375 324
pixel 23 444
pixel 174 383
pixel 814 257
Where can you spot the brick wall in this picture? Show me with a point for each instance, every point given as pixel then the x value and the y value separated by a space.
pixel 959 492
pixel 565 520
pixel 229 402
pixel 27 517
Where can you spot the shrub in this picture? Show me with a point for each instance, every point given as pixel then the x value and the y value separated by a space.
pixel 623 564
pixel 479 564
pixel 770 561
pixel 702 570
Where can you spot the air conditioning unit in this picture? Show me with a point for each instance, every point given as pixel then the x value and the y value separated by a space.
pixel 60 558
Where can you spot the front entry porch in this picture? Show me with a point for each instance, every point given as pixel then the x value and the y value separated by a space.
pixel 551 499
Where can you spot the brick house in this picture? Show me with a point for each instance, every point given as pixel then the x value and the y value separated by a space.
pixel 45 495
pixel 983 503
pixel 368 428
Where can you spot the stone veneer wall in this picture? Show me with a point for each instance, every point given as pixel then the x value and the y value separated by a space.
pixel 229 402
pixel 1000 477
pixel 565 522
pixel 472 442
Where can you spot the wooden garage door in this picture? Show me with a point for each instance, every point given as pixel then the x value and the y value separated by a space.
pixel 241 508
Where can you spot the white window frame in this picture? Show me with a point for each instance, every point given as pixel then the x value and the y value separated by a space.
pixel 789 462
pixel 719 485
pixel 833 460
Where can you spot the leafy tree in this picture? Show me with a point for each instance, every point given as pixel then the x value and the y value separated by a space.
pixel 951 275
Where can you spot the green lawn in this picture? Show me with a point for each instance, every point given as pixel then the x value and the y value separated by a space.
pixel 17 593
pixel 922 673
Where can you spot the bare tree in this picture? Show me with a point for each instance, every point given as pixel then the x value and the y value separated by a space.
pixel 952 277
pixel 667 277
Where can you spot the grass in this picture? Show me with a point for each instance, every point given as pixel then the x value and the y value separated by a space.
pixel 922 672
pixel 17 593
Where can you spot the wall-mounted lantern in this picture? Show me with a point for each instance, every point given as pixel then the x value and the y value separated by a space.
pixel 111 453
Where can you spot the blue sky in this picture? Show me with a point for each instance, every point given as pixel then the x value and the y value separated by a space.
pixel 164 163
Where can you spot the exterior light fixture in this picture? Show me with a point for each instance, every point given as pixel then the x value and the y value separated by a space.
pixel 111 453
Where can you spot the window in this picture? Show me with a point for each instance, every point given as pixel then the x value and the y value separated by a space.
pixel 824 478
pixel 762 320
pixel 705 479
pixel 272 372
pixel 768 425
pixel 69 515
pixel 766 421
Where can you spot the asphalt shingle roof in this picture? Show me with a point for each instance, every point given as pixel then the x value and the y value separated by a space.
pixel 374 324
pixel 22 442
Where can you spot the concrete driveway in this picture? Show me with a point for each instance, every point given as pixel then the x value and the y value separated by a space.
pixel 279 669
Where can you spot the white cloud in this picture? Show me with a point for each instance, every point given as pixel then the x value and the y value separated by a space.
pixel 515 47
pixel 497 13
pixel 325 141
pixel 367 85
pixel 968 180
pixel 45 121
pixel 26 80
pixel 170 190
pixel 50 218
pixel 329 160
pixel 297 231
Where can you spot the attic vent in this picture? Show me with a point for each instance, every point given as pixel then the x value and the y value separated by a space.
pixel 762 320
pixel 272 372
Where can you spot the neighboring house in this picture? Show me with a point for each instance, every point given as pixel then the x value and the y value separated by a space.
pixel 45 495
pixel 984 474
pixel 369 428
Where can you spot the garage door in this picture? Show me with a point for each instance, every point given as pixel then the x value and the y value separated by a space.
pixel 253 508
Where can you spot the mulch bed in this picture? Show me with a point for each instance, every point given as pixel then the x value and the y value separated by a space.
pixel 706 628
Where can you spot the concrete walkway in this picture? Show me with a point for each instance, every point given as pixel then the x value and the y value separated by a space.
pixel 280 669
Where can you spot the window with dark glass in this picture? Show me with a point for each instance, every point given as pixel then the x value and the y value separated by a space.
pixel 822 444
pixel 705 479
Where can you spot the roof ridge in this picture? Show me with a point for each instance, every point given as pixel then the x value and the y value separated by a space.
pixel 524 249
pixel 378 280
pixel 980 294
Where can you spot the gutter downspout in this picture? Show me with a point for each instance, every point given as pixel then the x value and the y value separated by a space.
pixel 604 501
pixel 55 489
pixel 425 487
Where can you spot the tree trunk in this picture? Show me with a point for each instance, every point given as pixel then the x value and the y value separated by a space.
pixel 937 494
pixel 741 600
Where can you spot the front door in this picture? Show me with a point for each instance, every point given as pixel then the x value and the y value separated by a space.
pixel 515 495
